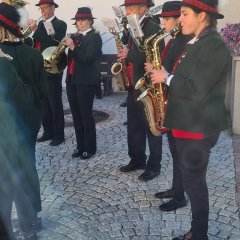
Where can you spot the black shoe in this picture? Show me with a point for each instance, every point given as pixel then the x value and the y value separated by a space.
pixel 44 137
pixel 86 155
pixel 76 153
pixel 56 142
pixel 173 205
pixel 123 104
pixel 131 167
pixel 165 194
pixel 148 175
pixel 187 236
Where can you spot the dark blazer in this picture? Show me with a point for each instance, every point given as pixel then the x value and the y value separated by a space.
pixel 87 55
pixel 14 95
pixel 176 48
pixel 138 58
pixel 30 70
pixel 197 90
pixel 41 36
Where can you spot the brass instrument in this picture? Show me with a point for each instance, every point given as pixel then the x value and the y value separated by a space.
pixel 143 83
pixel 119 69
pixel 155 97
pixel 55 58
pixel 27 31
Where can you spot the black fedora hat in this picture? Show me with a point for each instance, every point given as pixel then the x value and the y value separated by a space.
pixel 171 9
pixel 209 6
pixel 47 2
pixel 83 13
pixel 149 3
pixel 9 19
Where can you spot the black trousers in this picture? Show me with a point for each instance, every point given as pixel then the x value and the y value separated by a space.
pixel 138 131
pixel 193 159
pixel 81 99
pixel 177 185
pixel 52 108
pixel 29 185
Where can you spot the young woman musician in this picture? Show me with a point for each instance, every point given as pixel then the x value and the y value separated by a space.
pixel 174 48
pixel 82 80
pixel 196 110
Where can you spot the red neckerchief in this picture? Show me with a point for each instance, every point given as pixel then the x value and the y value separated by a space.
pixel 165 50
pixel 71 64
pixel 38 46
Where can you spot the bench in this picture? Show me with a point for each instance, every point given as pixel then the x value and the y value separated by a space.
pixel 107 61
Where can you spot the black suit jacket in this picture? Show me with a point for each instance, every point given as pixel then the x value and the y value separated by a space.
pixel 138 58
pixel 45 40
pixel 87 56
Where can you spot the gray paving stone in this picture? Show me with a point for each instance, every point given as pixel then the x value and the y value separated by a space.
pixel 92 200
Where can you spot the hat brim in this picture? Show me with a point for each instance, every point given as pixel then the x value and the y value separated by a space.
pixel 217 15
pixel 14 31
pixel 166 14
pixel 92 18
pixel 130 4
pixel 56 5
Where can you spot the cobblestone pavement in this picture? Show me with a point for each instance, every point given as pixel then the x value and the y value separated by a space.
pixel 91 199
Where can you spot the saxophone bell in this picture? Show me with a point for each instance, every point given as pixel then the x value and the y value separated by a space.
pixel 116 68
pixel 142 84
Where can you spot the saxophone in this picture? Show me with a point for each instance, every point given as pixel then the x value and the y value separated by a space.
pixel 144 82
pixel 119 69
pixel 155 97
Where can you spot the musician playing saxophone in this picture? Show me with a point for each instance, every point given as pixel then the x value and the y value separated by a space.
pixel 47 33
pixel 196 111
pixel 174 48
pixel 82 80
pixel 136 118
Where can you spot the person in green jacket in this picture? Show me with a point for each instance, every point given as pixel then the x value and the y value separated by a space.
pixel 14 95
pixel 31 72
pixel 196 111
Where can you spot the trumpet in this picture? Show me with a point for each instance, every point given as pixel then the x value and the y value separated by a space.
pixel 27 31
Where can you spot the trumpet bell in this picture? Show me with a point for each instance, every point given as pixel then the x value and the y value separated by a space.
pixel 116 68
pixel 51 65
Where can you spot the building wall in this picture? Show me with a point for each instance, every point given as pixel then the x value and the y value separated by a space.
pixel 103 9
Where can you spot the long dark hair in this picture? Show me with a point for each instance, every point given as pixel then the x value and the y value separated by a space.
pixel 211 17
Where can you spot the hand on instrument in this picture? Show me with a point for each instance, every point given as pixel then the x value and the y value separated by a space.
pixel 158 76
pixel 148 67
pixel 69 43
pixel 122 54
pixel 32 24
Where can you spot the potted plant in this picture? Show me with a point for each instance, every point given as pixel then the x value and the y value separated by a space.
pixel 231 35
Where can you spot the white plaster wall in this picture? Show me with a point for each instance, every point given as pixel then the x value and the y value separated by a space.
pixel 100 9
pixel 103 9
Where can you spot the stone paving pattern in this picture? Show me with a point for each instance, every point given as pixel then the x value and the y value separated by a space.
pixel 92 200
